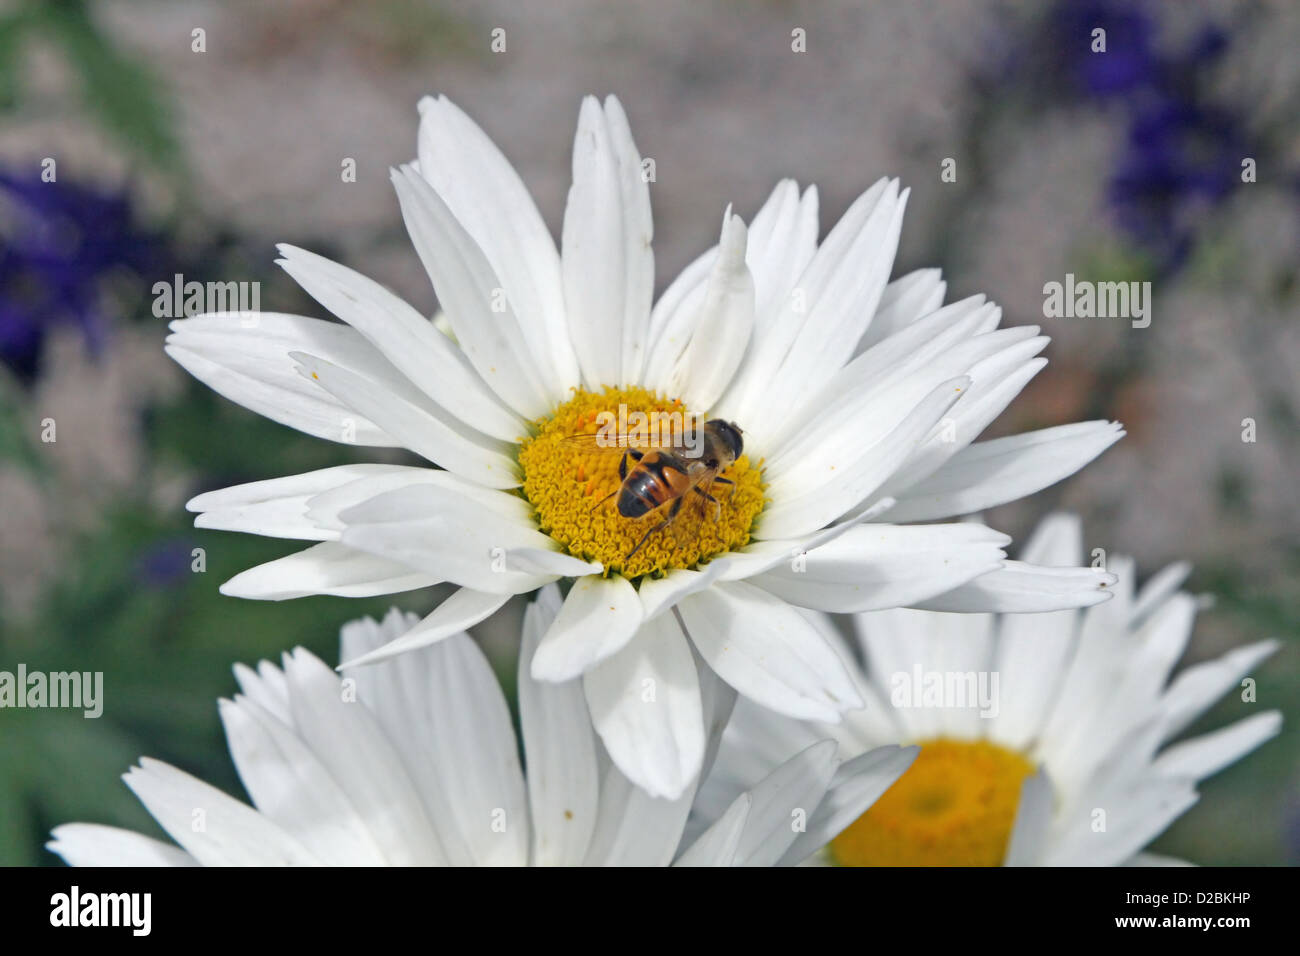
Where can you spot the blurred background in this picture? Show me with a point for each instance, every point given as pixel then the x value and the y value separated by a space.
pixel 1123 165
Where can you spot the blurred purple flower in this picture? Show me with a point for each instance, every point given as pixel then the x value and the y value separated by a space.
pixel 1182 153
pixel 164 563
pixel 1180 159
pixel 1130 60
pixel 59 243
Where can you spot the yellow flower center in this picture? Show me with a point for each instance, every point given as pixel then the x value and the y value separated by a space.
pixel 573 483
pixel 955 806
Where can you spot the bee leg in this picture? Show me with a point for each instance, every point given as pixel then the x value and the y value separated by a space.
pixel 717 508
pixel 606 498
pixel 672 513
pixel 726 481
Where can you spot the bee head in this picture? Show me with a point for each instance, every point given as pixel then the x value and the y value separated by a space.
pixel 731 435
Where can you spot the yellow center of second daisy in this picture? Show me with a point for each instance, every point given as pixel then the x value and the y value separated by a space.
pixel 573 485
pixel 955 806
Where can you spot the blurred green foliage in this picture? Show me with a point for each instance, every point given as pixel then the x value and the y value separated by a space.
pixel 116 89
pixel 165 642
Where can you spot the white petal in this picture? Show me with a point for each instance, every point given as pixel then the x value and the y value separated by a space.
pixel 900 644
pixel 397 694
pixel 1030 832
pixel 782 241
pixel 465 608
pixel 245 357
pixel 1056 542
pixel 267 688
pixel 443 533
pixel 1154 647
pixel 717 702
pixel 844 282
pixel 326 568
pixel 324 509
pixel 875 390
pixel 645 704
pixel 994 472
pixel 634 828
pixel 359 756
pixel 1025 588
pixel 278 507
pixel 722 328
pixel 1137 817
pixel 765 649
pixel 856 785
pixel 995 381
pixel 1209 753
pixel 486 195
pixel 845 475
pixel 89 844
pixel 560 750
pixel 1032 645
pixel 419 424
pixel 1194 690
pixel 877 566
pixel 542 561
pixel 904 300
pixel 759 740
pixel 486 323
pixel 758 556
pixel 290 787
pixel 662 594
pixel 606 258
pixel 1159 588
pixel 717 845
pixel 836 296
pixel 1091 688
pixel 599 616
pixel 233 833
pixel 797 785
pixel 474 749
pixel 429 359
pixel 365 634
pixel 673 320
pixel 1028 647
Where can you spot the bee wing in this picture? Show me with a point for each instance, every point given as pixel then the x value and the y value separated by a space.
pixel 702 494
pixel 618 442
pixel 586 441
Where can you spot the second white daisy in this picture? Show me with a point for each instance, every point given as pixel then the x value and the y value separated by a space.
pixel 1046 739
pixel 416 763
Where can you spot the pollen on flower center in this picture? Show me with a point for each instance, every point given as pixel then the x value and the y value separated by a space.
pixel 573 482
pixel 955 806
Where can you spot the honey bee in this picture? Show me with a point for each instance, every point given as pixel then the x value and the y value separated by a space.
pixel 662 479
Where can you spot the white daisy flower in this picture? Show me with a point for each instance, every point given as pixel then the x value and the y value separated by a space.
pixel 858 399
pixel 1045 738
pixel 416 763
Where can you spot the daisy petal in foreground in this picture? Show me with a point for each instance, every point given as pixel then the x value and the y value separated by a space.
pixel 1045 738
pixel 851 401
pixel 416 763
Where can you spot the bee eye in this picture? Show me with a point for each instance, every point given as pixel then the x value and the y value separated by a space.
pixel 712 463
